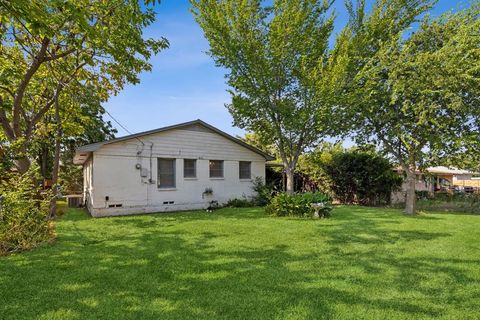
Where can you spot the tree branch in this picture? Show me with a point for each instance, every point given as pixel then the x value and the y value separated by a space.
pixel 54 56
pixel 10 92
pixel 60 86
pixel 5 124
pixel 17 101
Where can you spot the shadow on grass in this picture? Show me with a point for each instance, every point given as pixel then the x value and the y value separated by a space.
pixel 131 268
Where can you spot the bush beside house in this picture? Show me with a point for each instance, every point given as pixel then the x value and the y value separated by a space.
pixel 23 213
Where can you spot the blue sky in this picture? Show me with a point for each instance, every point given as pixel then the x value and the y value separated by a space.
pixel 185 84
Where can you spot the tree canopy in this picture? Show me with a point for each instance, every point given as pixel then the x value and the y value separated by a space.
pixel 417 94
pixel 49 45
pixel 280 72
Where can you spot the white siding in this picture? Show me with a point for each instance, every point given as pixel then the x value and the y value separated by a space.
pixel 183 144
pixel 88 182
pixel 116 177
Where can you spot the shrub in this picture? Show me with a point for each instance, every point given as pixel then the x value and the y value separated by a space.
pixel 239 203
pixel 363 177
pixel 23 214
pixel 263 192
pixel 299 205
pixel 422 194
pixel 453 202
pixel 356 175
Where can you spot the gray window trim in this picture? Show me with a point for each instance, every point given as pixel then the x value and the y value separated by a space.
pixel 249 170
pixel 174 173
pixel 210 169
pixel 194 169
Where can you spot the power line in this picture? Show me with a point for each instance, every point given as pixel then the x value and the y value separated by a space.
pixel 118 122
pixel 122 126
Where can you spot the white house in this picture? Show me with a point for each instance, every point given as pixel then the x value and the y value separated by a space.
pixel 180 167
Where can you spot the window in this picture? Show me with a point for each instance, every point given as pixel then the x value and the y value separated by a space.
pixel 216 168
pixel 245 170
pixel 189 168
pixel 166 173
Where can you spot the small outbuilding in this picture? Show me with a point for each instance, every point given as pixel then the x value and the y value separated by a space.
pixel 186 166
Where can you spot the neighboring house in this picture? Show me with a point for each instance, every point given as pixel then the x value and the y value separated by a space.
pixel 445 178
pixel 180 167
pixel 434 179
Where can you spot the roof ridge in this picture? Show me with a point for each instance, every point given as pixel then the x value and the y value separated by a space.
pixel 94 146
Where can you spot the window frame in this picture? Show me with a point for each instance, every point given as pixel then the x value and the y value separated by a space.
pixel 194 169
pixel 174 161
pixel 222 163
pixel 249 163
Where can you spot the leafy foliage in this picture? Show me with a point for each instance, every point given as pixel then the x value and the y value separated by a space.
pixel 416 95
pixel 263 192
pixel 313 163
pixel 50 47
pixel 23 213
pixel 299 205
pixel 281 75
pixel 446 201
pixel 239 203
pixel 358 175
pixel 362 177
pixel 58 61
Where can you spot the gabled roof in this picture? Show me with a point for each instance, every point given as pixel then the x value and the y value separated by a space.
pixel 95 146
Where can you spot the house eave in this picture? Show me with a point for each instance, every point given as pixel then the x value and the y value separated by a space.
pixel 81 157
pixel 89 148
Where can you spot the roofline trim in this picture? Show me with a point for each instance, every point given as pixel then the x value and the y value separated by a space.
pixel 95 146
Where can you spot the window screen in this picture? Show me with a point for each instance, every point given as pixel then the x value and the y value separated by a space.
pixel 166 173
pixel 189 168
pixel 216 168
pixel 245 170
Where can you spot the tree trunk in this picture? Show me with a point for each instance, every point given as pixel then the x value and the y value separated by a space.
pixel 290 180
pixel 410 200
pixel 53 202
pixel 56 163
pixel 44 161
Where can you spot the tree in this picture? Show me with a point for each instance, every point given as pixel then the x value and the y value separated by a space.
pixel 279 69
pixel 415 95
pixel 80 121
pixel 46 46
pixel 76 120
pixel 255 140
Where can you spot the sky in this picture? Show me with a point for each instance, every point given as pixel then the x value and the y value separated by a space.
pixel 184 83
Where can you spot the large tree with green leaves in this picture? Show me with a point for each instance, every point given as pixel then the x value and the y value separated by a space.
pixel 75 120
pixel 48 45
pixel 280 73
pixel 414 94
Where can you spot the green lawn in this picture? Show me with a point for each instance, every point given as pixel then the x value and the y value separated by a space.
pixel 363 263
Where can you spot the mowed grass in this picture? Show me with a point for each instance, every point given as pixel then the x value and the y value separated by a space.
pixel 363 263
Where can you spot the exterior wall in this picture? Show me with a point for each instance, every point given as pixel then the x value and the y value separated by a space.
pixel 422 183
pixel 88 183
pixel 116 176
pixel 466 180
